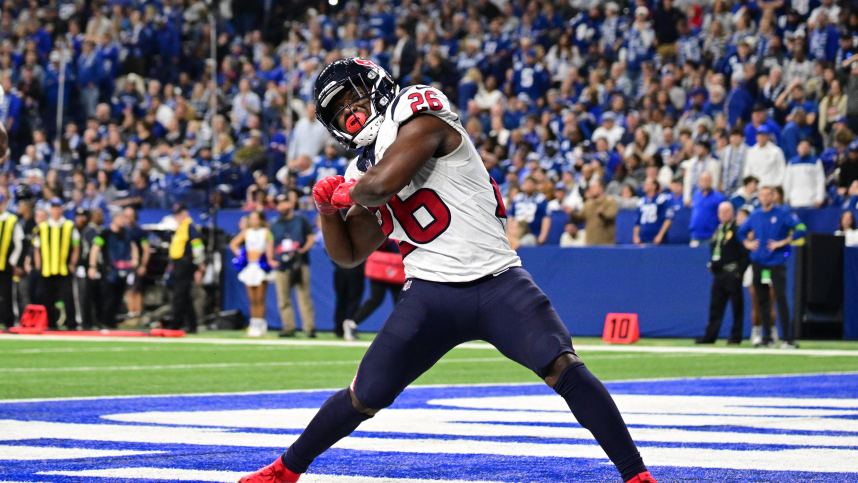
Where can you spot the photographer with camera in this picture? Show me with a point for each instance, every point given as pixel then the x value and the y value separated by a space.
pixel 293 238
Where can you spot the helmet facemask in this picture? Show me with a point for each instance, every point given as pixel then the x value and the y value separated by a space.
pixel 374 85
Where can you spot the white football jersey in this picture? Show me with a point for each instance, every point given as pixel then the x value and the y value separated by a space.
pixel 450 221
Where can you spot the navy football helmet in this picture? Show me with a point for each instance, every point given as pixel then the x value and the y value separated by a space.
pixel 368 81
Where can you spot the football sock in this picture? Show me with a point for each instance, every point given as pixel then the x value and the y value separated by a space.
pixel 336 419
pixel 595 410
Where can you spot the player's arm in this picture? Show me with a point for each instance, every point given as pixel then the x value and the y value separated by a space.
pixel 418 139
pixel 350 240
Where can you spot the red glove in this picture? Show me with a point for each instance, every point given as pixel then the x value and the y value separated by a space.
pixel 322 192
pixel 342 197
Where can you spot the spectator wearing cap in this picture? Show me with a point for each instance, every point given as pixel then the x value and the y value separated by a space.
pixel 693 168
pixel 704 210
pixel 609 129
pixel 639 41
pixel 531 207
pixel 55 249
pixel 732 162
pixel 187 265
pixel 759 118
pixel 11 249
pixel 293 238
pixel 804 182
pixel 765 160
pixel 796 129
pixel 654 215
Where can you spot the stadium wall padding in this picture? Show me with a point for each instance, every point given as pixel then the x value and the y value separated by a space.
pixel 667 286
pixel 850 293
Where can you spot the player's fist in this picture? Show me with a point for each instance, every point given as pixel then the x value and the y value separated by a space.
pixel 322 192
pixel 342 197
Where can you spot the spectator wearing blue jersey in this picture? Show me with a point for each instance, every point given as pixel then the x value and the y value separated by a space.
pixel 760 117
pixel 774 228
pixel 531 207
pixel 704 210
pixel 746 196
pixel 796 129
pixel 654 215
pixel 329 163
pixel 89 76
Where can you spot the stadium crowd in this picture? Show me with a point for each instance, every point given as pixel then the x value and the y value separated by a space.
pixel 111 104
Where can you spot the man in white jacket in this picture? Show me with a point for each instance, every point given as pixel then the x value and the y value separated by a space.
pixel 804 183
pixel 694 167
pixel 765 160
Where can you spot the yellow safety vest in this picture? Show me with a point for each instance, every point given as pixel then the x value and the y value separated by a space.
pixel 180 239
pixel 55 245
pixel 6 231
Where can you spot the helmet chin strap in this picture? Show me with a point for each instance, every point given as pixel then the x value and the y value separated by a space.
pixel 369 133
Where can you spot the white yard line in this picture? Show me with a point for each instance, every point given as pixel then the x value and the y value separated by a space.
pixel 223 365
pixel 583 348
pixel 175 474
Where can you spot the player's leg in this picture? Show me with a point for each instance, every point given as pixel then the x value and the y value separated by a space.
pixel 765 309
pixel 737 303
pixel 305 302
pixel 418 333
pixel 376 297
pixel 517 318
pixel 717 305
pixel 284 302
pixel 779 284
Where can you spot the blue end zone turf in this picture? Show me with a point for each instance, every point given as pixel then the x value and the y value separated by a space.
pixel 793 428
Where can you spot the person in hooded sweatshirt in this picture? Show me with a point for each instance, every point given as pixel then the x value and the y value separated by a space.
pixel 804 181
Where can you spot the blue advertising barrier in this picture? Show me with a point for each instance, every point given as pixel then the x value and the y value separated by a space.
pixel 667 286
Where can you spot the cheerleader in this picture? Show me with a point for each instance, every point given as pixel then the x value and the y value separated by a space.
pixel 254 245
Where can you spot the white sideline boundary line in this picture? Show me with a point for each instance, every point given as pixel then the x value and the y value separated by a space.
pixel 468 345
pixel 334 389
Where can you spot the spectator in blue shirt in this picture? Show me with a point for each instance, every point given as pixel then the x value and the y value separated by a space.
pixel 654 215
pixel 330 163
pixel 704 210
pixel 531 207
pixel 760 117
pixel 746 196
pixel 797 129
pixel 773 228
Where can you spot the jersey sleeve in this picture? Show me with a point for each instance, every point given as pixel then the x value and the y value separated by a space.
pixel 352 171
pixel 421 99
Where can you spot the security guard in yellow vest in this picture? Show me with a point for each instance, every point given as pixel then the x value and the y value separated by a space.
pixel 187 257
pixel 11 247
pixel 55 251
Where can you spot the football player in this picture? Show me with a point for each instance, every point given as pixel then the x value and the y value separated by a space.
pixel 420 180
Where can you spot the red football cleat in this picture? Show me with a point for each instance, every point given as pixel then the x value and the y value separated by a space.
pixel 274 473
pixel 645 477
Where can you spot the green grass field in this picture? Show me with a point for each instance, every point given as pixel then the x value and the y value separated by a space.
pixel 227 362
